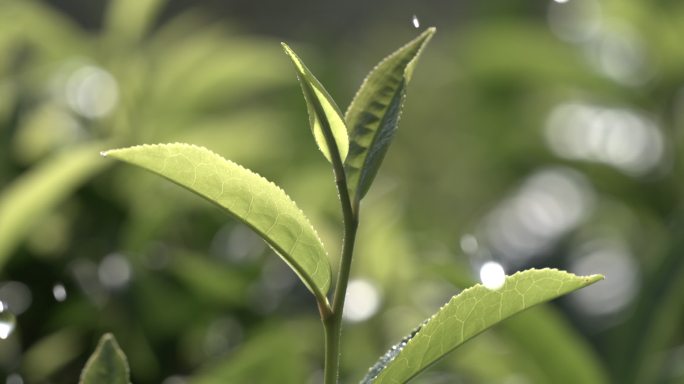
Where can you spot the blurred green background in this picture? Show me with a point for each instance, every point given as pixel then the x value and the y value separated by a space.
pixel 535 134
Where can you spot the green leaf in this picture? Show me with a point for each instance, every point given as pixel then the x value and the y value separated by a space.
pixel 373 115
pixel 468 314
pixel 325 117
pixel 255 201
pixel 107 365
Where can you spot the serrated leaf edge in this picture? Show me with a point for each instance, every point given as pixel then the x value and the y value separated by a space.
pixel 106 338
pixel 308 88
pixel 411 338
pixel 429 31
pixel 360 190
pixel 306 219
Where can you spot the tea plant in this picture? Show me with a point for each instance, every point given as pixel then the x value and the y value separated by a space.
pixel 355 145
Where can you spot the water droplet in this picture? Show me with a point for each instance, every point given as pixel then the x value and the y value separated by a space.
pixel 7 322
pixel 59 292
pixel 492 275
pixel 561 1
pixel 387 358
pixel 14 378
pixel 103 153
pixel 415 21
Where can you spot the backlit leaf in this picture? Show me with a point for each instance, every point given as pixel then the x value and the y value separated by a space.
pixel 373 115
pixel 468 314
pixel 255 201
pixel 325 117
pixel 107 365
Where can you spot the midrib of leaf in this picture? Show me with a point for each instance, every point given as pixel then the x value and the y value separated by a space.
pixel 325 118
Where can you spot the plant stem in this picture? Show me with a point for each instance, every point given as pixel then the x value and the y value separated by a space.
pixel 333 321
pixel 332 317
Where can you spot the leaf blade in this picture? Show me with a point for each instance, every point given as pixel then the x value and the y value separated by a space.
pixel 107 365
pixel 453 324
pixel 374 113
pixel 325 118
pixel 247 196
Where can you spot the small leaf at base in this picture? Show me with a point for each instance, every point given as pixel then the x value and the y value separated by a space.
pixel 107 365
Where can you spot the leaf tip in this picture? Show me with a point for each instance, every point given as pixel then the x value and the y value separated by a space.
pixel 108 341
pixel 107 362
pixel 594 278
pixel 287 49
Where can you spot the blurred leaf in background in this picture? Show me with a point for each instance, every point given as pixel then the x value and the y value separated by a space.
pixel 539 134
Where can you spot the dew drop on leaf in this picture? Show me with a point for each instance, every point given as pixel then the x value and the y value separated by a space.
pixel 492 275
pixel 387 358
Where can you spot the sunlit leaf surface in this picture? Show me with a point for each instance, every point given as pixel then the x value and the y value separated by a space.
pixel 468 314
pixel 249 197
pixel 324 115
pixel 373 115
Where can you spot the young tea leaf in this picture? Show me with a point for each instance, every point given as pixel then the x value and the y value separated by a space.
pixel 107 365
pixel 249 197
pixel 470 313
pixel 325 117
pixel 373 114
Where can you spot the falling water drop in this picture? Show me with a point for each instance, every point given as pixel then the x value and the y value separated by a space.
pixel 492 275
pixel 59 292
pixel 7 321
pixel 415 21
